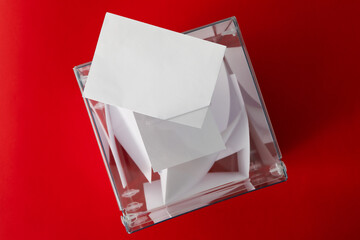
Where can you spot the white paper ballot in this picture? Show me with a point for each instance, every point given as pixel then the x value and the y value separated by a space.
pixel 239 65
pixel 113 147
pixel 177 180
pixel 231 118
pixel 169 144
pixel 152 191
pixel 192 119
pixel 220 102
pixel 153 71
pixel 237 132
pixel 128 135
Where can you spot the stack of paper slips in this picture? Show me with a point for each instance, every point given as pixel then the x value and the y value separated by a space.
pixel 169 99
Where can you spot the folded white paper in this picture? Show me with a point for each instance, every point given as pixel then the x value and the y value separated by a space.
pixel 237 132
pixel 230 115
pixel 153 71
pixel 113 147
pixel 176 181
pixel 173 104
pixel 169 144
pixel 128 135
pixel 220 102
pixel 192 119
pixel 239 65
pixel 152 191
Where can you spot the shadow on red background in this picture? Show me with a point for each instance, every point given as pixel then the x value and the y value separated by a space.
pixel 53 184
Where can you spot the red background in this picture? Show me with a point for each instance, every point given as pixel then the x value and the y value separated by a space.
pixel 53 184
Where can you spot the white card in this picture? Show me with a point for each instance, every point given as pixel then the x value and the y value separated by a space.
pixel 153 71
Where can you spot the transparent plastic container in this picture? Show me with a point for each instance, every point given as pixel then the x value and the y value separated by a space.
pixel 238 169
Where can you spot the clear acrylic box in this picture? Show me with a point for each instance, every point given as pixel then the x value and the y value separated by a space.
pixel 235 170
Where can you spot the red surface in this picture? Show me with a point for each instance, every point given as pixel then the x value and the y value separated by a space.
pixel 53 184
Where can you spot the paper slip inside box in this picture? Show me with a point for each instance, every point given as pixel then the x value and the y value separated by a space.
pixel 166 79
pixel 169 144
pixel 153 71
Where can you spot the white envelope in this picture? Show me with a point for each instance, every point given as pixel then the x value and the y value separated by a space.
pixel 154 71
